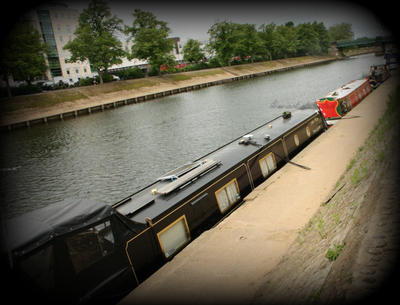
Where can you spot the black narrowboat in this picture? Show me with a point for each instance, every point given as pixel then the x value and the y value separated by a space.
pixel 88 252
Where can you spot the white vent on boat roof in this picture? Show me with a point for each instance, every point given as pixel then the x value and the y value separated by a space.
pixel 189 174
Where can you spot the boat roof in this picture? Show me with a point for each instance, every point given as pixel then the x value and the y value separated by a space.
pixel 345 89
pixel 180 184
pixel 33 229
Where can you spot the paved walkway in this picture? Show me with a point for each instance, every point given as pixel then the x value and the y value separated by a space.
pixel 227 264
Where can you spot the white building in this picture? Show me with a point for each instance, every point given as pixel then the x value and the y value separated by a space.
pixel 57 24
pixel 177 52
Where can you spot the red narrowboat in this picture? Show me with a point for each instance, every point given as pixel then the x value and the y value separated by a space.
pixel 337 103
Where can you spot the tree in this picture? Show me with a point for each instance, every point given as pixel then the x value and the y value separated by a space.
pixel 150 37
pixel 222 41
pixel 269 40
pixel 287 41
pixel 95 40
pixel 308 40
pixel 323 36
pixel 248 42
pixel 341 31
pixel 22 54
pixel 192 51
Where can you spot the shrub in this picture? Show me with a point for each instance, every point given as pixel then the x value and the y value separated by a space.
pixel 333 253
pixel 86 81
pixel 130 73
pixel 25 89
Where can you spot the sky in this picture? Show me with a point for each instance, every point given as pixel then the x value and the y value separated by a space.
pixel 188 19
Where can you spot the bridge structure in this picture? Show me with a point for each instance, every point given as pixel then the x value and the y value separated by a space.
pixel 385 43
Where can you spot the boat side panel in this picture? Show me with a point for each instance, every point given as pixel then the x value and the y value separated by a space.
pixel 144 254
pixel 296 138
pixel 254 162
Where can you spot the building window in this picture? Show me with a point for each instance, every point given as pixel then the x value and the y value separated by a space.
pixel 174 236
pixel 76 70
pixel 84 70
pixel 267 164
pixel 48 36
pixel 68 71
pixel 227 195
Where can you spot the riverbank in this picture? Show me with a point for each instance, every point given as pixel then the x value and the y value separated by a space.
pixel 349 250
pixel 24 111
pixel 252 252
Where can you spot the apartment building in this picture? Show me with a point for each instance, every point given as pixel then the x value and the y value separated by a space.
pixel 57 24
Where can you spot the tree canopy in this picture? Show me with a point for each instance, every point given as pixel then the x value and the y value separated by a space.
pixel 229 40
pixel 95 38
pixel 341 31
pixel 22 54
pixel 192 51
pixel 150 40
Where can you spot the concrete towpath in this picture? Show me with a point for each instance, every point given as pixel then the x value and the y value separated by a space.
pixel 227 264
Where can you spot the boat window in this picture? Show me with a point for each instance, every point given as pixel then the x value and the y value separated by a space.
pixel 227 195
pixel 40 268
pixel 174 236
pixel 308 131
pixel 87 247
pixel 268 164
pixel 296 140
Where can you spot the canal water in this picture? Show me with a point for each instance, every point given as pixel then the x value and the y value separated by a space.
pixel 109 155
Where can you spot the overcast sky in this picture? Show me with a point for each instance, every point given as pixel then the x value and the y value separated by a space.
pixel 188 19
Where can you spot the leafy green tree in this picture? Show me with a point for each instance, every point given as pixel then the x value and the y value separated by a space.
pixel 22 54
pixel 151 42
pixel 192 51
pixel 269 40
pixel 247 41
pixel 287 41
pixel 95 38
pixel 222 41
pixel 323 36
pixel 341 31
pixel 308 40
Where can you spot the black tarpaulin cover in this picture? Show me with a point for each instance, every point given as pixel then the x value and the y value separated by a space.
pixel 35 228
